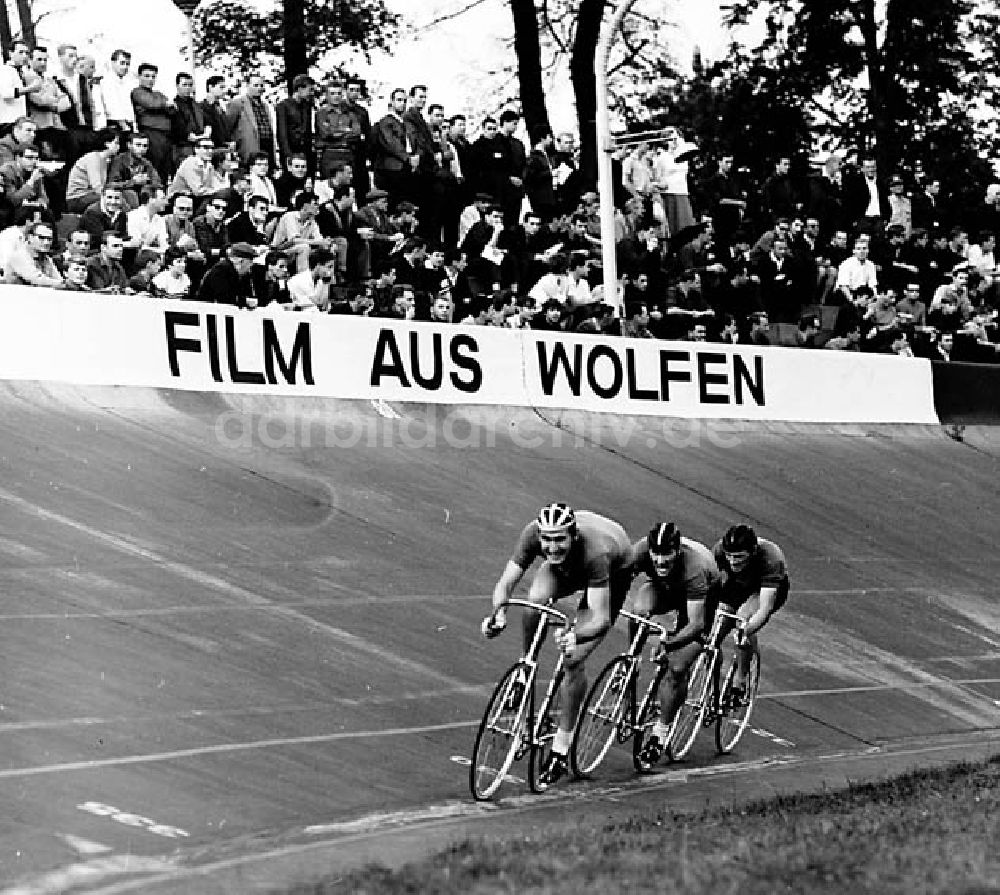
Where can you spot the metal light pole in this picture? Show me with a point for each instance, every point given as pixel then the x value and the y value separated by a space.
pixel 605 148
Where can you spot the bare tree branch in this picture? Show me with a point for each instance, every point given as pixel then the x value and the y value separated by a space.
pixel 448 16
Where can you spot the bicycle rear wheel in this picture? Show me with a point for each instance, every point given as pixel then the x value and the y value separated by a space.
pixel 500 732
pixel 545 724
pixel 609 699
pixel 649 712
pixel 689 716
pixel 734 718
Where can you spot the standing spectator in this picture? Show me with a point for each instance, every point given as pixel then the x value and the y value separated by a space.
pixel 425 149
pixel 298 233
pixel 670 177
pixel 465 155
pixel 116 93
pixel 338 131
pixel 133 170
pixel 866 200
pixel 566 173
pixel 513 188
pixel 13 89
pixel 188 124
pixel 777 195
pixel 152 118
pixel 78 118
pixel 90 98
pixel 926 207
pixel 363 150
pixel 104 270
pixel 726 200
pixel 228 281
pixel 488 162
pixel 22 134
pixel 89 173
pixel 31 264
pixel 214 110
pixel 105 214
pixel 23 181
pixel 250 121
pixel 538 180
pixel 448 189
pixel 826 195
pixel 900 208
pixel 47 102
pixel 393 160
pixel 295 122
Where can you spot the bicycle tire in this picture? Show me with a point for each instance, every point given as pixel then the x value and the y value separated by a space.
pixel 542 733
pixel 732 721
pixel 648 712
pixel 611 696
pixel 689 716
pixel 499 735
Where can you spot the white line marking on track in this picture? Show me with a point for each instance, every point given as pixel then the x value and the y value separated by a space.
pixel 85 847
pixel 214 582
pixel 773 737
pixel 384 410
pixel 99 870
pixel 222 748
pixel 976 634
pixel 133 820
pixel 467 762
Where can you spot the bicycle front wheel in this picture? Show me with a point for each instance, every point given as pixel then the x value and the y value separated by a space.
pixel 610 700
pixel 689 716
pixel 734 717
pixel 500 732
pixel 545 723
pixel 648 714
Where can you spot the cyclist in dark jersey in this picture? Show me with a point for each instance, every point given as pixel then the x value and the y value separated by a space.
pixel 580 551
pixel 681 576
pixel 754 584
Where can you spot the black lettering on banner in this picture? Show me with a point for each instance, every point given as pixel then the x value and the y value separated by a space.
pixel 572 371
pixel 434 382
pixel 705 379
pixel 249 377
pixel 634 392
pixel 173 319
pixel 597 352
pixel 301 354
pixel 755 385
pixel 466 362
pixel 213 347
pixel 380 367
pixel 667 375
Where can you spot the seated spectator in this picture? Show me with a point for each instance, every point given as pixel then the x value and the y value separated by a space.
pixel 294 180
pixel 882 312
pixel 76 275
pixel 336 223
pixel 807 331
pixel 525 313
pixel 210 230
pixel 133 171
pixel 15 236
pixel 310 288
pixel 297 232
pixel 982 255
pixel 402 305
pixel 147 226
pixel 636 323
pixel 23 181
pixel 857 270
pixel 760 327
pixel 148 265
pixel 105 272
pixel 22 134
pixel 780 289
pixel 270 281
pixel 850 341
pixel 78 245
pixel 261 184
pixel 89 173
pixel 410 265
pixel 473 214
pixel 251 226
pixel 951 306
pixel 910 308
pixel 228 280
pixel 442 308
pixel 173 281
pixel 180 226
pixel 196 175
pixel 852 314
pixel 549 317
pixel 378 233
pixel 105 214
pixel 31 264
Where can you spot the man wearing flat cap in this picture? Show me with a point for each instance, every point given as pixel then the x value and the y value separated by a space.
pixel 228 281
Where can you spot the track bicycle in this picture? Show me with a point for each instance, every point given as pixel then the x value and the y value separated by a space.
pixel 611 710
pixel 710 699
pixel 511 727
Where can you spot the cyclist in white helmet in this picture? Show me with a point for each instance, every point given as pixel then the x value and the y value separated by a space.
pixel 580 551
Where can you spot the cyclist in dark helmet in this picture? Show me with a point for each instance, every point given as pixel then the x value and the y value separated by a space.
pixel 679 576
pixel 754 584
pixel 580 551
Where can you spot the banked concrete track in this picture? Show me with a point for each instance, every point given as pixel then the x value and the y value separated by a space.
pixel 239 638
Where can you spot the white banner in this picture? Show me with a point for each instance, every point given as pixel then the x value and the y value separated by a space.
pixel 82 339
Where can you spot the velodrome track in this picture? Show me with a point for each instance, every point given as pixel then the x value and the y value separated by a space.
pixel 239 637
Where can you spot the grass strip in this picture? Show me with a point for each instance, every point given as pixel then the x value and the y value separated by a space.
pixel 929 831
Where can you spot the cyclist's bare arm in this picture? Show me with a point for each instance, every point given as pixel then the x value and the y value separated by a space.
pixel 765 608
pixel 598 620
pixel 511 577
pixel 692 630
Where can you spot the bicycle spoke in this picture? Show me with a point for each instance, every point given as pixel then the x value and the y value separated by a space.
pixel 608 701
pixel 500 733
pixel 689 716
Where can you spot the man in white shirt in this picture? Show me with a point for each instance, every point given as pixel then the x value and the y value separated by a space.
pixel 146 227
pixel 13 90
pixel 857 270
pixel 48 101
pixel 115 108
pixel 310 289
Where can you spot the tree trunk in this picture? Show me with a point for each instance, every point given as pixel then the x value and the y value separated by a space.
pixel 295 40
pixel 877 88
pixel 5 35
pixel 588 32
pixel 527 48
pixel 27 21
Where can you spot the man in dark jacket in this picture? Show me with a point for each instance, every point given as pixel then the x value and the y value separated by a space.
pixel 228 281
pixel 295 122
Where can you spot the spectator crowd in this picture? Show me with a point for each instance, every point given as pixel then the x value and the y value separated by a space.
pixel 317 203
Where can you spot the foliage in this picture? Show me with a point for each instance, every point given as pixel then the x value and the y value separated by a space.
pixel 241 39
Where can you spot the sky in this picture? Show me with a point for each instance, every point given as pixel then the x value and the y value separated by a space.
pixel 462 61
